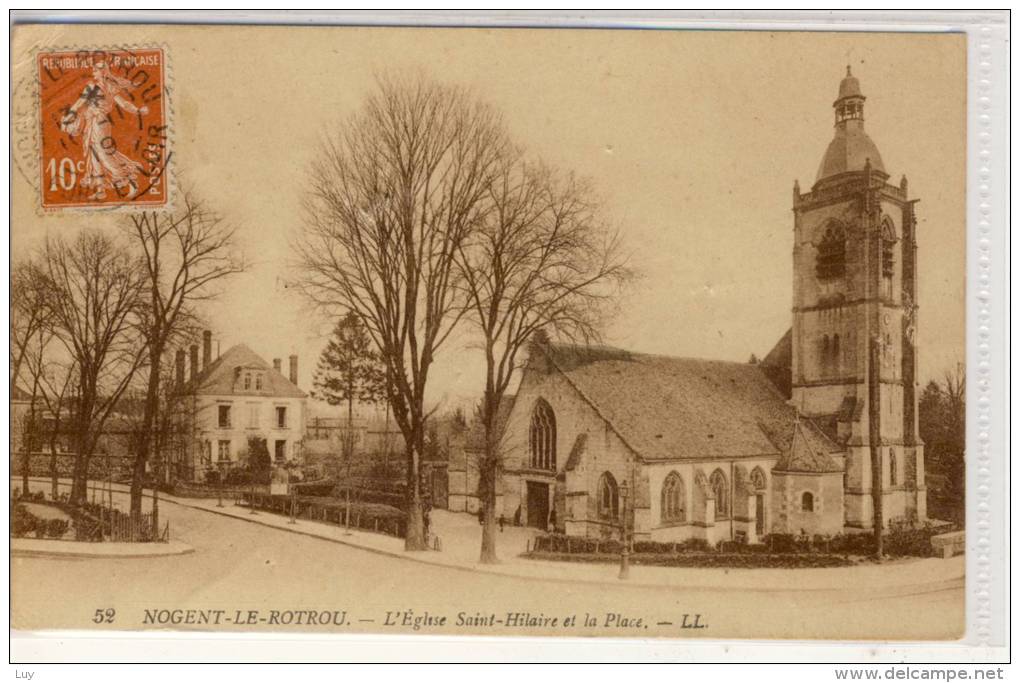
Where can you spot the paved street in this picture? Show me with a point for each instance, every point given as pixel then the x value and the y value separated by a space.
pixel 276 574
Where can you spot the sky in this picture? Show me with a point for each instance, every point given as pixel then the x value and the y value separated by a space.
pixel 693 140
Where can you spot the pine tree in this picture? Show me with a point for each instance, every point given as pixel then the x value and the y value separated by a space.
pixel 349 370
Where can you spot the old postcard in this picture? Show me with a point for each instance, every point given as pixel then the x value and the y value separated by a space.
pixel 497 332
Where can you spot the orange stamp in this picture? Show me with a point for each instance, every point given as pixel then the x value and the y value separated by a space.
pixel 104 128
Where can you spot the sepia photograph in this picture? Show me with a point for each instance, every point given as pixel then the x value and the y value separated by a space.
pixel 546 332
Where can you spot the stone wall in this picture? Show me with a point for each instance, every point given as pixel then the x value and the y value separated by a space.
pixel 826 513
pixel 604 451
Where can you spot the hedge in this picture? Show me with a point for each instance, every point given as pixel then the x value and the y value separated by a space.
pixel 383 519
pixel 189 490
pixel 703 559
pixel 900 541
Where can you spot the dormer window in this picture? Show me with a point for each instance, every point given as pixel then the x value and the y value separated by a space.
pixel 247 381
pixel 831 260
pixel 258 382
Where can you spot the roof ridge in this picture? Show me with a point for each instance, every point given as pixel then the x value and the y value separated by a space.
pixel 646 354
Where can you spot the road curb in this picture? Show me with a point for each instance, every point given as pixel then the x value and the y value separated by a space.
pixel 74 550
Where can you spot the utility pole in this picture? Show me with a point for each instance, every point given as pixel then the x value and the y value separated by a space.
pixel 155 498
pixel 875 440
pixel 625 545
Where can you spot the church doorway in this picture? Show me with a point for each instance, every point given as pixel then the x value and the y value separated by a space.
pixel 759 515
pixel 538 505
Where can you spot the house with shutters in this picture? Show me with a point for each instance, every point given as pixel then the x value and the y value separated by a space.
pixel 229 399
pixel 819 437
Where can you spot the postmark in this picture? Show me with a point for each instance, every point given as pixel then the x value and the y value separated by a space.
pixel 104 128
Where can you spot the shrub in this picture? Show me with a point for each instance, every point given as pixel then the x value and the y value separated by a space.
pixel 237 476
pixel 706 559
pixel 23 522
pixel 56 528
pixel 315 488
pixel 902 540
pixel 781 543
pixel 910 542
pixel 853 544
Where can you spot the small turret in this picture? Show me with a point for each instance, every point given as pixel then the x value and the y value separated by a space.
pixel 850 145
pixel 850 103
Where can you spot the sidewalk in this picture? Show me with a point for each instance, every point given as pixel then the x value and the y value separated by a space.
pixel 460 536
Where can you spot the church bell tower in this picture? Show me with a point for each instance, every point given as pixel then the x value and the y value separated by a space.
pixel 854 338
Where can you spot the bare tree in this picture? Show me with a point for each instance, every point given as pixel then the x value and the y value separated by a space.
pixel 96 305
pixel 184 253
pixel 30 427
pixel 393 196
pixel 541 259
pixel 30 311
pixel 59 396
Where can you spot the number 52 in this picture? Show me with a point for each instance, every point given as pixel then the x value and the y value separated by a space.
pixel 104 616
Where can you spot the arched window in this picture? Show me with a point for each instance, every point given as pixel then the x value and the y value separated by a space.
pixel 888 256
pixel 888 244
pixel 609 498
pixel 892 467
pixel 807 502
pixel 542 438
pixel 831 261
pixel 758 479
pixel 722 494
pixel 673 508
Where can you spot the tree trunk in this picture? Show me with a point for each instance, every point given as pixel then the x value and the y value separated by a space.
pixel 144 443
pixel 54 473
pixel 54 478
pixel 415 538
pixel 488 469
pixel 488 472
pixel 349 447
pixel 26 461
pixel 488 554
pixel 28 442
pixel 79 483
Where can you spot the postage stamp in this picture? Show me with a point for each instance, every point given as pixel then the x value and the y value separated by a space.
pixel 103 128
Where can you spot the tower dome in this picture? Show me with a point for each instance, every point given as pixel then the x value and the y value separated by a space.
pixel 851 148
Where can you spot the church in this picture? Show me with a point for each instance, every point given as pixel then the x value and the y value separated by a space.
pixel 820 437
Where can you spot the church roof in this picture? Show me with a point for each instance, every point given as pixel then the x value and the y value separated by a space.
pixel 218 377
pixel 778 364
pixel 675 408
pixel 805 457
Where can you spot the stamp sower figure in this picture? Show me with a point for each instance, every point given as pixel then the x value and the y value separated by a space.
pixel 105 167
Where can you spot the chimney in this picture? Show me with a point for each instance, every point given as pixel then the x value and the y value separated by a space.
pixel 277 365
pixel 194 361
pixel 179 367
pixel 206 348
pixel 293 370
